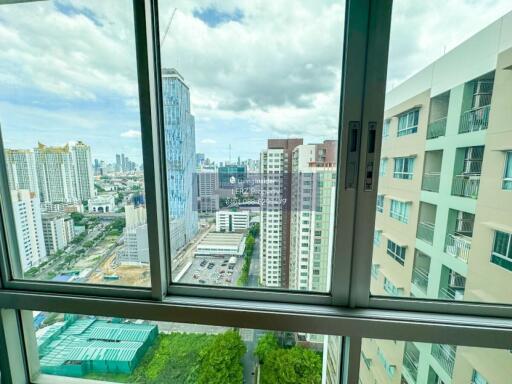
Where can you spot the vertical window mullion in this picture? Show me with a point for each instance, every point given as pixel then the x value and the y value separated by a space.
pixel 373 107
pixel 148 68
pixel 12 356
pixel 354 53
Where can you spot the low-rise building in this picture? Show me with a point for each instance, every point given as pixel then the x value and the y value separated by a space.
pixel 228 221
pixel 102 204
pixel 221 244
pixel 79 346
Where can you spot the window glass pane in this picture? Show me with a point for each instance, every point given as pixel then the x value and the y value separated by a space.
pixel 251 104
pixel 72 138
pixel 390 361
pixel 134 351
pixel 451 168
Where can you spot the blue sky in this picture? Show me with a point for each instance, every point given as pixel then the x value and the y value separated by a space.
pixel 256 69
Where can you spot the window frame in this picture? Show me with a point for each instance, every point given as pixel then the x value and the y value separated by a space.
pixel 408 129
pixel 402 174
pixel 349 310
pixel 506 184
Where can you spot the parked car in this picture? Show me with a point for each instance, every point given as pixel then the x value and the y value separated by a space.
pixel 203 263
pixel 202 281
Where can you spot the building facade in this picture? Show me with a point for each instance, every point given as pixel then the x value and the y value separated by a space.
pixel 180 153
pixel 275 169
pixel 29 228
pixel 136 245
pixel 230 221
pixel 312 216
pixel 84 176
pixel 443 227
pixel 21 170
pixel 58 231
pixel 208 194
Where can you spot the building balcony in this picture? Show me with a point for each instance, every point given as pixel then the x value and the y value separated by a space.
pixel 475 119
pixel 466 185
pixel 445 356
pixel 410 365
pixel 458 246
pixel 425 231
pixel 430 181
pixel 436 128
pixel 454 286
pixel 420 278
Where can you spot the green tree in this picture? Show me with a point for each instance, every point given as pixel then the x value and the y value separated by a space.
pixel 266 344
pixel 296 365
pixel 220 361
pixel 77 217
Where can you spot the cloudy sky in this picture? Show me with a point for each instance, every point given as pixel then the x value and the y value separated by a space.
pixel 256 69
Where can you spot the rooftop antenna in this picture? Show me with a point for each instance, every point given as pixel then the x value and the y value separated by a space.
pixel 229 153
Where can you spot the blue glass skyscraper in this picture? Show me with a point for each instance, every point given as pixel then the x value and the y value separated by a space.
pixel 180 154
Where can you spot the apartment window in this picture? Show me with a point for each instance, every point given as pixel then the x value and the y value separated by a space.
pixel 408 123
pixel 507 177
pixel 383 167
pixel 389 368
pixel 380 203
pixel 385 128
pixel 391 288
pixel 396 251
pixel 477 378
pixel 400 210
pixel 377 237
pixel 502 250
pixel 404 167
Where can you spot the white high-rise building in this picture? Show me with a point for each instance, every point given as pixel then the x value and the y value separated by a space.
pixel 21 170
pixel 55 173
pixel 275 163
pixel 29 229
pixel 57 230
pixel 136 245
pixel 313 196
pixel 84 176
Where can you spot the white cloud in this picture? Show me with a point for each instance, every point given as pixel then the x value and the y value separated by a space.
pixel 208 141
pixel 131 134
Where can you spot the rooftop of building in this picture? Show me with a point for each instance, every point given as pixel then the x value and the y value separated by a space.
pixel 88 338
pixel 222 239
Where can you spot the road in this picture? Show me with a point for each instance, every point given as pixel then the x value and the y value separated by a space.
pixel 251 338
pixel 254 270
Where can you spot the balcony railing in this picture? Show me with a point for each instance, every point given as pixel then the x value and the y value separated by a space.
pixel 425 231
pixel 436 128
pixel 430 181
pixel 420 278
pixel 475 119
pixel 445 355
pixel 411 365
pixel 466 185
pixel 458 246
pixel 449 293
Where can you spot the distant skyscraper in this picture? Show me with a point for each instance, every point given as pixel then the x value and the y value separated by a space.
pixel 21 170
pixel 55 174
pixel 312 215
pixel 276 166
pixel 199 158
pixel 29 229
pixel 118 163
pixel 180 153
pixel 84 177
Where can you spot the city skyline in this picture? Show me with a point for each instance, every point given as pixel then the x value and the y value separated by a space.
pixel 87 92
